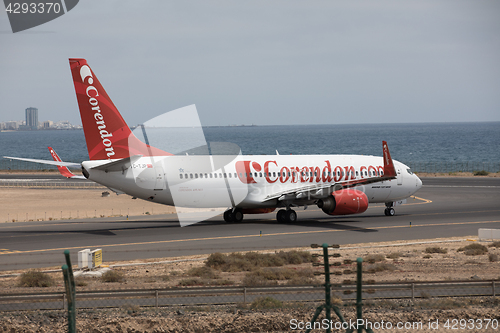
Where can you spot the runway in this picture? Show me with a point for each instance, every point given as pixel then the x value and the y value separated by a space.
pixel 444 207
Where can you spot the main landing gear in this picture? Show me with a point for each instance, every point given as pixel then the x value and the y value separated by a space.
pixel 231 216
pixel 389 211
pixel 286 216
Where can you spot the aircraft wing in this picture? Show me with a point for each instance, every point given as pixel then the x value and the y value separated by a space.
pixel 318 191
pixel 60 163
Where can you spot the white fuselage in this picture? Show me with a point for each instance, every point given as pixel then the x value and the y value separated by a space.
pixel 250 181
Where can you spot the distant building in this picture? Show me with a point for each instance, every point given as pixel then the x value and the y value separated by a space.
pixel 48 124
pixel 32 118
pixel 11 125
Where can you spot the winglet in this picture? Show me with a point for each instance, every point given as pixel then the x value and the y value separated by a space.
pixel 62 169
pixel 389 170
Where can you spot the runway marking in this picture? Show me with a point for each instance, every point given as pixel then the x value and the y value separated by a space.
pixel 246 236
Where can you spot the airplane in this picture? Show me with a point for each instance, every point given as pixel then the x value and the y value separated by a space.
pixel 246 184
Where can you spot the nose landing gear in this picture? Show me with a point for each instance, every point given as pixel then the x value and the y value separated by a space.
pixel 389 211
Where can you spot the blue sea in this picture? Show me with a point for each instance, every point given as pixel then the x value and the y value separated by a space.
pixel 451 146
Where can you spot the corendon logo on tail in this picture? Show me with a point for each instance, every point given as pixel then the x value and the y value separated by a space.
pixel 92 93
pixel 247 172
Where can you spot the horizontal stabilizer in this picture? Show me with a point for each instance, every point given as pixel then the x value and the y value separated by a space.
pixel 59 163
pixel 118 165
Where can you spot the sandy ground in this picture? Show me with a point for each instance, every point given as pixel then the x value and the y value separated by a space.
pixel 23 204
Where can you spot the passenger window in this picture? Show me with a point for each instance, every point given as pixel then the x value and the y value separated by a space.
pixel 180 176
pixel 229 175
pixel 260 174
pixel 220 175
pixel 274 174
pixel 195 175
pixel 241 175
pixel 215 175
pixel 210 175
pixel 225 175
pixel 356 173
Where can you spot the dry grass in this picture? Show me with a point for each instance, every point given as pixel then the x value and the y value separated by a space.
pixel 473 249
pixel 436 250
pixel 373 258
pixel 113 276
pixel 250 261
pixel 34 278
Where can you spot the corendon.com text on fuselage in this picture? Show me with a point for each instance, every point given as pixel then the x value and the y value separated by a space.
pixel 304 174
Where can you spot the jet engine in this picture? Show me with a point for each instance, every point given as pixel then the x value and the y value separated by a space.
pixel 344 202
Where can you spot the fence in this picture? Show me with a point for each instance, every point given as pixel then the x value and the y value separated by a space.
pixel 421 294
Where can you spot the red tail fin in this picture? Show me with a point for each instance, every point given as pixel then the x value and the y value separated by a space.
pixel 62 169
pixel 106 133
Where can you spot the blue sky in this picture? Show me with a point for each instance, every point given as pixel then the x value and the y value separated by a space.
pixel 264 62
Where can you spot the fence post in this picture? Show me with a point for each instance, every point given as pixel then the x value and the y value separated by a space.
pixel 493 287
pixel 413 291
pixel 69 283
pixel 245 296
pixel 156 299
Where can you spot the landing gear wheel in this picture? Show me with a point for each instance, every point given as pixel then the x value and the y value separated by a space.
pixel 291 216
pixel 281 216
pixel 390 212
pixel 228 216
pixel 237 216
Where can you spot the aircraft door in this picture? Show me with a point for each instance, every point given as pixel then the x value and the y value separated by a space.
pixel 399 175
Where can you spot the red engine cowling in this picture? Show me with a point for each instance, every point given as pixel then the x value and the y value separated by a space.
pixel 344 202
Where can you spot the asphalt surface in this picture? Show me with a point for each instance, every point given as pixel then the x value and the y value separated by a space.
pixel 444 207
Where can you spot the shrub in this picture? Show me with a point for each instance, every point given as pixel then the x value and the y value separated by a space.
pixel 34 278
pixel 427 256
pixel 191 282
pixel 373 258
pixel 481 173
pixel 393 255
pixel 436 250
pixel 473 249
pixel 492 257
pixel 80 282
pixel 113 276
pixel 296 257
pixel 237 262
pixel 204 272
pixel 379 267
pixel 266 303
pixel 495 244
pixel 302 281
pixel 221 282
pixel 254 280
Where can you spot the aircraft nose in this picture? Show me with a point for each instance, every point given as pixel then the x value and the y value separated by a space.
pixel 419 183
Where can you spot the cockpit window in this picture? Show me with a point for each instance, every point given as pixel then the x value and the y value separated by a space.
pixel 409 171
